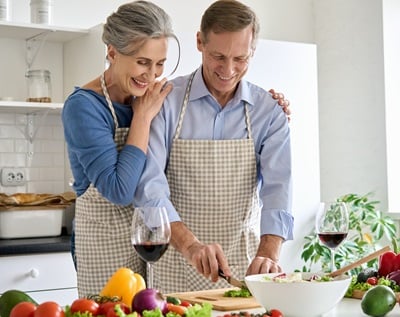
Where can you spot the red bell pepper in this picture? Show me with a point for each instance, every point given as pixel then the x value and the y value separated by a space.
pixel 388 262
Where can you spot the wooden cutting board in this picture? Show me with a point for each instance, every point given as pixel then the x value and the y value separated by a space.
pixel 216 298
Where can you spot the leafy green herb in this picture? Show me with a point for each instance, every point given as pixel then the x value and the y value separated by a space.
pixel 243 292
pixel 198 310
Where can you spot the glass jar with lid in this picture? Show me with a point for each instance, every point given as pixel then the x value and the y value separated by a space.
pixel 39 85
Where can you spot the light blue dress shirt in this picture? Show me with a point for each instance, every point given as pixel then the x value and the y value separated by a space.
pixel 206 119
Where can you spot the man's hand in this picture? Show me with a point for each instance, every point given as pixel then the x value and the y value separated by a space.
pixel 266 259
pixel 206 258
pixel 284 103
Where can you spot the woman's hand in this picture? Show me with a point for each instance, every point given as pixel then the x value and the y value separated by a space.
pixel 148 105
pixel 284 103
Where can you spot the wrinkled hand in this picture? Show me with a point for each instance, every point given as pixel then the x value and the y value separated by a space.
pixel 208 259
pixel 261 265
pixel 150 103
pixel 284 103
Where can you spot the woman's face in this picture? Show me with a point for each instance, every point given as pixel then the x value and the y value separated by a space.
pixel 133 73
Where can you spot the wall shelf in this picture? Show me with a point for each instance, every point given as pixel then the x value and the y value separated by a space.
pixel 30 107
pixel 26 31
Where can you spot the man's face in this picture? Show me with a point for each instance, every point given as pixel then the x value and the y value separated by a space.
pixel 225 58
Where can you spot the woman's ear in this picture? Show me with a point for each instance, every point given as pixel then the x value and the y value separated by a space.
pixel 111 53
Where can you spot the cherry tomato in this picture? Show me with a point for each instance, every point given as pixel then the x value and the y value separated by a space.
pixel 23 309
pixel 83 305
pixel 185 303
pixel 49 309
pixel 275 313
pixel 373 280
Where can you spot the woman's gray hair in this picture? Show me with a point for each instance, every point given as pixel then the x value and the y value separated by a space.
pixel 134 23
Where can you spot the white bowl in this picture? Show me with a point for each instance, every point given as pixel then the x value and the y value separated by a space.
pixel 300 298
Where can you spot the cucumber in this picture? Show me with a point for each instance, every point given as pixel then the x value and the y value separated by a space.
pixel 11 298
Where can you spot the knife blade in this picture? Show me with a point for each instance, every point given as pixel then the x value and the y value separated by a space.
pixel 231 280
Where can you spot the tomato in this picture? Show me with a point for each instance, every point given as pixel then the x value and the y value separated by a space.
pixel 275 313
pixel 49 309
pixel 23 309
pixel 105 307
pixel 373 280
pixel 111 312
pixel 82 305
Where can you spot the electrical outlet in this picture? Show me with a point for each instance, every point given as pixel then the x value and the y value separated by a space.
pixel 12 176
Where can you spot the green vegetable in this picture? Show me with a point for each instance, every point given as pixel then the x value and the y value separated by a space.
pixel 364 286
pixel 243 292
pixel 173 300
pixel 198 310
pixel 11 298
pixel 152 313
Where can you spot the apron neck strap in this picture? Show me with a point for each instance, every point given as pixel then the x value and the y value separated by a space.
pixel 108 99
pixel 184 106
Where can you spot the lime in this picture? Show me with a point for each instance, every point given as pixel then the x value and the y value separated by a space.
pixel 378 301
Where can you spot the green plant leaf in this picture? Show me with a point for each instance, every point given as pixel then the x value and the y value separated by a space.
pixel 368 228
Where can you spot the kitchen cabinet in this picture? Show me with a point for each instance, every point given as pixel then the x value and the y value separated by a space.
pixel 47 276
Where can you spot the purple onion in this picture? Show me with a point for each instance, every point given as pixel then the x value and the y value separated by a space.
pixel 149 299
pixel 394 276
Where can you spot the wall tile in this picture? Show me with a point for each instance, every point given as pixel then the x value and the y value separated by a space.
pixel 43 158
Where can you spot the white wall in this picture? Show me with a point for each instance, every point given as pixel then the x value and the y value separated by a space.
pixel 391 30
pixel 351 97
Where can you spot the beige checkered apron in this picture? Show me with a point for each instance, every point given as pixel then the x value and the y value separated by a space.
pixel 213 187
pixel 102 232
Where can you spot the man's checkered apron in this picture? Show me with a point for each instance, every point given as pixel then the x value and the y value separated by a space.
pixel 103 232
pixel 213 187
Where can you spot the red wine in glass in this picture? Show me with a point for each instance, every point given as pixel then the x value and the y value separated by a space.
pixel 151 252
pixel 332 225
pixel 150 236
pixel 332 239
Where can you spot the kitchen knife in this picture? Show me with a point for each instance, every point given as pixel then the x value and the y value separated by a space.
pixel 231 280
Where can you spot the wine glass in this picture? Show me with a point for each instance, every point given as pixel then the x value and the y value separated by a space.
pixel 150 237
pixel 332 225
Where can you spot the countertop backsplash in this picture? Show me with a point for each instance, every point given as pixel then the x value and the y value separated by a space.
pixel 35 143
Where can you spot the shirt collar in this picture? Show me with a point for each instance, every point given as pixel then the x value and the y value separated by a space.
pixel 200 90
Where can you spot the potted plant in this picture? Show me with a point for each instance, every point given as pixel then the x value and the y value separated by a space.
pixel 369 229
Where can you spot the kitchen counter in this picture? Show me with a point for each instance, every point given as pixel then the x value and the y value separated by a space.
pixel 348 307
pixel 35 245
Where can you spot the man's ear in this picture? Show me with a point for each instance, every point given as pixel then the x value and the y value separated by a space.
pixel 199 41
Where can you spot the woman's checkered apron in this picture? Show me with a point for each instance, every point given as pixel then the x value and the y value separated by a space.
pixel 213 187
pixel 103 231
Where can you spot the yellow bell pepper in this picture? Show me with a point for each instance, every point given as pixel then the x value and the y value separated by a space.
pixel 124 283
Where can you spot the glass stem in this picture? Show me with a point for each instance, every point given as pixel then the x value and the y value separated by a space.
pixel 333 267
pixel 149 275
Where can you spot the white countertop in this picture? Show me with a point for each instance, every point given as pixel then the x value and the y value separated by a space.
pixel 348 307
